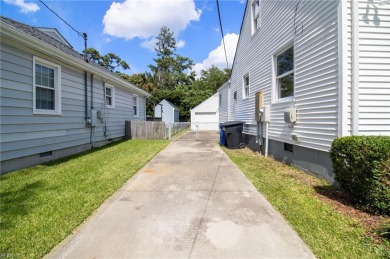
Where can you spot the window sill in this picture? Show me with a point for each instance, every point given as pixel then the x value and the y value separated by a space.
pixel 110 107
pixel 285 100
pixel 47 112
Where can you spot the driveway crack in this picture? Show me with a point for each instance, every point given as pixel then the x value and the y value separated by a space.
pixel 204 211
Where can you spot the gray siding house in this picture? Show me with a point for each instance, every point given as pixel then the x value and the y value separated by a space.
pixel 317 70
pixel 170 113
pixel 54 103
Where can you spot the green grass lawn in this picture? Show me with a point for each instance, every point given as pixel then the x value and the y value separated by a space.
pixel 329 233
pixel 41 205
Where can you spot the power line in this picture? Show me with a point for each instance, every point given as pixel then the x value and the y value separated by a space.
pixel 79 33
pixel 223 39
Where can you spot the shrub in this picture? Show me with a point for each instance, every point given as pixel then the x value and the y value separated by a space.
pixel 361 165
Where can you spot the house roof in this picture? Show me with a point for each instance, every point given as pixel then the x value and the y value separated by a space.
pixel 171 104
pixel 53 32
pixel 208 101
pixel 54 45
pixel 224 84
pixel 239 35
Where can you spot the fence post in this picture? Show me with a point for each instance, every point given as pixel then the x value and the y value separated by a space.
pixel 197 130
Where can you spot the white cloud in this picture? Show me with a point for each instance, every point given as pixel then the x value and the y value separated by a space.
pixel 24 7
pixel 149 44
pixel 143 19
pixel 180 44
pixel 216 57
pixel 107 39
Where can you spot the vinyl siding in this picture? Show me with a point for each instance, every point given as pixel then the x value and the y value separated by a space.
pixel 374 68
pixel 23 133
pixel 224 103
pixel 316 70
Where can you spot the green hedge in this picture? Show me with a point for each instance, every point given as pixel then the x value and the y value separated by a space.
pixel 361 165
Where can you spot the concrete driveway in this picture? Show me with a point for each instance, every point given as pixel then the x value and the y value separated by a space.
pixel 190 201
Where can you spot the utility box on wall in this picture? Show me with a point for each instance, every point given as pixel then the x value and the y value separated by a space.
pixel 266 116
pixel 290 115
pixel 94 118
pixel 259 104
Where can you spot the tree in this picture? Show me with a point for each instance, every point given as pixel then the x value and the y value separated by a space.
pixel 143 81
pixel 110 61
pixel 170 68
pixel 212 79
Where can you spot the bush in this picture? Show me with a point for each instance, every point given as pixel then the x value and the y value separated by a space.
pixel 361 165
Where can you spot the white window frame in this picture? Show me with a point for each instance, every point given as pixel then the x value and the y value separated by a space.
pixel 244 86
pixel 255 14
pixel 136 105
pixel 276 85
pixel 112 106
pixel 57 87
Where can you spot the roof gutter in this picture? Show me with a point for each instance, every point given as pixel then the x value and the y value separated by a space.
pixel 41 46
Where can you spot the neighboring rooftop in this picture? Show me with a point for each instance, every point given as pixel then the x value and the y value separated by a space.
pixel 39 34
pixel 174 106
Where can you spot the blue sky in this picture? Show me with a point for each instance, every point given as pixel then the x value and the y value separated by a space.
pixel 128 27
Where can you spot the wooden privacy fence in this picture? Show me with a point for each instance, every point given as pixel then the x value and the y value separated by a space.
pixel 153 129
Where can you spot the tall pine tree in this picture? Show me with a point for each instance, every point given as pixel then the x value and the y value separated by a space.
pixel 170 68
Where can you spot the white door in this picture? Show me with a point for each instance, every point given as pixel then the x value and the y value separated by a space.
pixel 205 121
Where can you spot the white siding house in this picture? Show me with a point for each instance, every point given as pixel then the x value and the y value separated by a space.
pixel 205 115
pixel 327 59
pixel 54 103
pixel 168 112
pixel 223 103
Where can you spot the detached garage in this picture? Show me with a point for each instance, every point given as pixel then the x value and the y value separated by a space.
pixel 205 116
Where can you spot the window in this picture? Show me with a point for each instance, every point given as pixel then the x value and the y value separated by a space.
pixel 220 99
pixel 135 106
pixel 47 87
pixel 245 86
pixel 110 96
pixel 285 73
pixel 255 15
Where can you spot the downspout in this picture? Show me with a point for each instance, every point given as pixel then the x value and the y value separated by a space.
pixel 92 92
pixel 355 69
pixel 86 97
pixel 92 127
pixel 104 105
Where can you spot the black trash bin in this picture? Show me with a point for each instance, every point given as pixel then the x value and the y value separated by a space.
pixel 233 131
